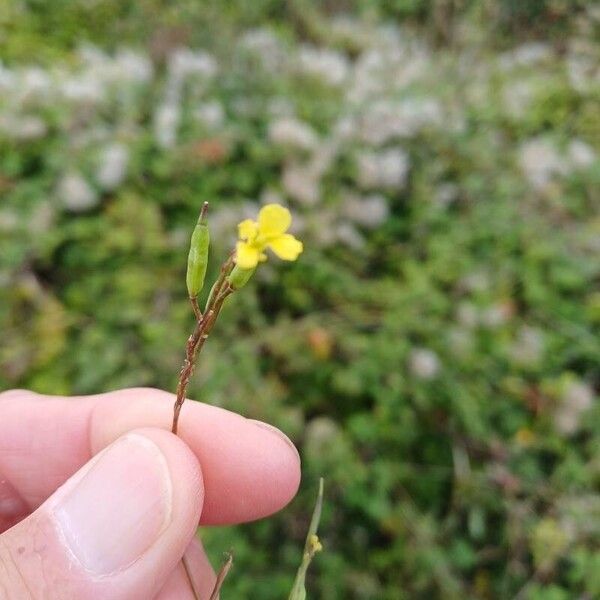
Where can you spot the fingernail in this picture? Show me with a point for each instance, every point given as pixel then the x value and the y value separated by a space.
pixel 277 432
pixel 118 508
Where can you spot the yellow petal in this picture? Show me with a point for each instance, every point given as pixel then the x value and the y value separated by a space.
pixel 286 246
pixel 247 229
pixel 273 220
pixel 246 255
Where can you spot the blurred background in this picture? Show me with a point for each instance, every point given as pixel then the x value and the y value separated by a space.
pixel 434 353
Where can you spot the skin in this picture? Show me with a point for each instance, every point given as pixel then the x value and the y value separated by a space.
pixel 223 469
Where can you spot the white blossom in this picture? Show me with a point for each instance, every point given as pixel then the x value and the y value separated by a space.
pixel 368 211
pixel 581 155
pixel 166 125
pixel 329 66
pixel 112 169
pixel 134 66
pixel 344 129
pixel 125 68
pixel 387 169
pixel 23 128
pixel 348 235
pixel 85 88
pixel 576 398
pixel 526 55
pixel 392 62
pixel 292 133
pixel 76 194
pixel 540 162
pixel 301 184
pixel 424 363
pixel 184 62
pixel 385 120
pixel 34 84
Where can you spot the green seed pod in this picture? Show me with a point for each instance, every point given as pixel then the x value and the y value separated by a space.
pixel 239 277
pixel 198 255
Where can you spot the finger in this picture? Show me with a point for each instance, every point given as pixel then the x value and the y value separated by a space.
pixel 250 469
pixel 178 585
pixel 115 530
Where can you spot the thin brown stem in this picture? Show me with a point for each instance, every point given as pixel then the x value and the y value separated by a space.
pixel 204 324
pixel 221 576
pixel 197 339
pixel 188 572
pixel 188 366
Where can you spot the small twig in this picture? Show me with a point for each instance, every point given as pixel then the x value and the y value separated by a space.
pixel 188 367
pixel 221 576
pixel 188 572
pixel 196 309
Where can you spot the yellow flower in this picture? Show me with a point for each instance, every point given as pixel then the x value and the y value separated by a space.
pixel 269 232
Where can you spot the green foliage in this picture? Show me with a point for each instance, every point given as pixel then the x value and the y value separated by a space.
pixel 438 368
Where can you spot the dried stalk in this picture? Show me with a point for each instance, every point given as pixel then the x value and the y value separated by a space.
pixel 221 576
pixel 188 572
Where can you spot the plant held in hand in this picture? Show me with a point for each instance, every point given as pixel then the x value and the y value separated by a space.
pixel 268 232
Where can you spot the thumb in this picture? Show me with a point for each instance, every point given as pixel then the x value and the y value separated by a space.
pixel 116 529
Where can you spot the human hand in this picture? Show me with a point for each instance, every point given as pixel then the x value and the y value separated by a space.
pixel 98 501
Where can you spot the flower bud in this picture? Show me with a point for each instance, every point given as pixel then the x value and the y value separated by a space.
pixel 198 255
pixel 239 277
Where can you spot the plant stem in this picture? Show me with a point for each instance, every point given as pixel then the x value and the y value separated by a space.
pixel 310 549
pixel 196 309
pixel 221 576
pixel 204 325
pixel 188 572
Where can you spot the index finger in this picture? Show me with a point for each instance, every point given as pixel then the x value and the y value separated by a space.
pixel 250 469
